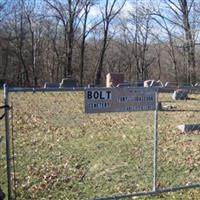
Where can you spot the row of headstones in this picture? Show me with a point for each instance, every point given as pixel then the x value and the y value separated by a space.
pixel 114 79
pixel 117 79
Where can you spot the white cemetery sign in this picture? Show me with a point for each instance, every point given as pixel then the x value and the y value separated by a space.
pixel 99 100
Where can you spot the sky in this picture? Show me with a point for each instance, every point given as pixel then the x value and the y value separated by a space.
pixel 129 7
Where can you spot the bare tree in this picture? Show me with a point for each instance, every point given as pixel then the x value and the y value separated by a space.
pixel 185 9
pixel 29 14
pixel 68 14
pixel 66 38
pixel 108 15
pixel 138 30
pixel 87 6
pixel 171 47
pixel 23 73
pixel 181 11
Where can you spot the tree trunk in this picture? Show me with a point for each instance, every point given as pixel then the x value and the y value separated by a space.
pixel 82 63
pixel 70 39
pixel 102 55
pixel 189 43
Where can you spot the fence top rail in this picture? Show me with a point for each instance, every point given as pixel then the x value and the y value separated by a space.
pixel 173 88
pixel 41 89
pixel 27 89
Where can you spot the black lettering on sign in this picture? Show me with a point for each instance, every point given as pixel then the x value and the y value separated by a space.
pixel 109 94
pixel 98 95
pixel 101 95
pixel 89 95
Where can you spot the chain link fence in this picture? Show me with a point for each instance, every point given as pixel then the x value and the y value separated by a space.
pixel 3 178
pixel 60 152
pixel 179 138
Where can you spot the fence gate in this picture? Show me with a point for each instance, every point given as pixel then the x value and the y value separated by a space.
pixel 55 150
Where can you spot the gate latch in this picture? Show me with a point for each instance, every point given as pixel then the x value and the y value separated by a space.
pixel 2 107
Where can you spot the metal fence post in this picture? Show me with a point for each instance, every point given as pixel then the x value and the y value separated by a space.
pixel 7 128
pixel 155 145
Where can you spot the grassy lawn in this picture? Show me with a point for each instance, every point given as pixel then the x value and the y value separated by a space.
pixel 63 153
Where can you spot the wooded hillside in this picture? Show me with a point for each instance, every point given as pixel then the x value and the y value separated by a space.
pixel 47 40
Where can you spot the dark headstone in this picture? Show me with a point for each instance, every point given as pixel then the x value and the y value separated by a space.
pixel 68 82
pixel 180 94
pixel 51 85
pixel 139 84
pixel 189 127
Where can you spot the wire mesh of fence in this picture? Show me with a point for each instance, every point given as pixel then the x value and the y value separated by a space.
pixel 179 138
pixel 3 180
pixel 60 152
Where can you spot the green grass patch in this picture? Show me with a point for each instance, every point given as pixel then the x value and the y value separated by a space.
pixel 63 153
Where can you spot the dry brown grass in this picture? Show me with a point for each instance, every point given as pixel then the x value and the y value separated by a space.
pixel 63 153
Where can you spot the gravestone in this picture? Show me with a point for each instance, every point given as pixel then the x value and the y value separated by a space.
pixel 170 85
pixel 51 85
pixel 153 83
pixel 147 83
pixel 180 94
pixel 68 82
pixel 188 127
pixel 114 79
pixel 139 84
pixel 196 84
